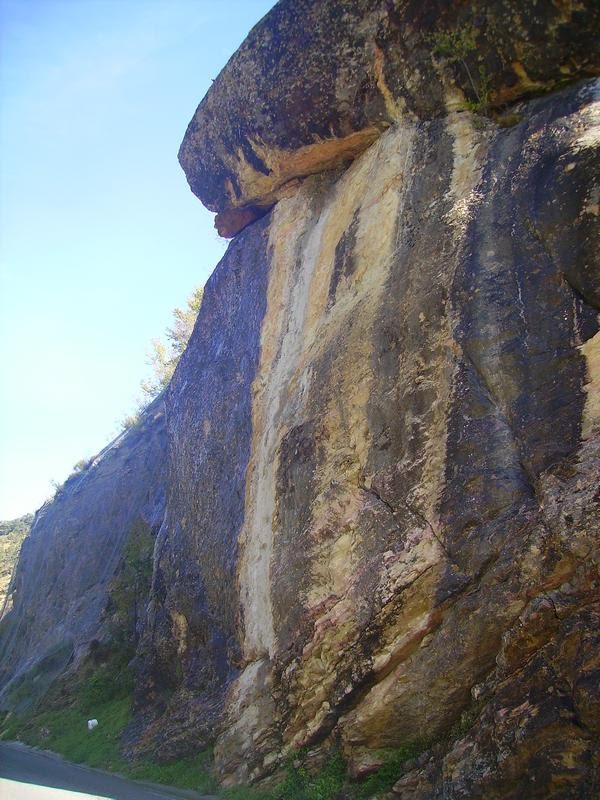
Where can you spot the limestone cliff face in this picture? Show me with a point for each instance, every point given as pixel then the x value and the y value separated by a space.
pixel 61 586
pixel 383 435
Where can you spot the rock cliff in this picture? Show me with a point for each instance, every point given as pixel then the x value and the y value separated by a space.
pixel 316 82
pixel 60 591
pixel 383 439
pixel 12 534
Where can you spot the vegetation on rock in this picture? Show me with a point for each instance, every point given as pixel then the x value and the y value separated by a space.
pixel 164 357
pixel 329 780
pixel 102 687
pixel 130 586
pixel 103 691
pixel 455 47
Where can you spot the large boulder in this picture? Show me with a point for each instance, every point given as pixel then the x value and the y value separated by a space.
pixel 316 82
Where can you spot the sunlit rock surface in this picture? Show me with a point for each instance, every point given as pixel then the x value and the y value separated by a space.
pixel 315 83
pixel 12 535
pixel 383 464
pixel 413 544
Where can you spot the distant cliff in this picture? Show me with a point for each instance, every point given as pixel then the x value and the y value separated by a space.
pixel 380 533
pixel 12 534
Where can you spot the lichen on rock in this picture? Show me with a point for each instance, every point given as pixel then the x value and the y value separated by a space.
pixel 315 83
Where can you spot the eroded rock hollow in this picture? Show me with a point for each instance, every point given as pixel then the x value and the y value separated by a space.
pixel 383 439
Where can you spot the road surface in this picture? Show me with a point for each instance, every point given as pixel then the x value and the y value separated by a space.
pixel 28 774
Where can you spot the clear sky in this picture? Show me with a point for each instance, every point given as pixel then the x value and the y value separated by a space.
pixel 100 236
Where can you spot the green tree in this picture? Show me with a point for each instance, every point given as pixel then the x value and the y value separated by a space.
pixel 163 358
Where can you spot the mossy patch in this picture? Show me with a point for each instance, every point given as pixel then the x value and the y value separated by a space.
pixel 457 47
pixel 330 781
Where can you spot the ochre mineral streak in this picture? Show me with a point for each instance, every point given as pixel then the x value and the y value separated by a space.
pixel 383 439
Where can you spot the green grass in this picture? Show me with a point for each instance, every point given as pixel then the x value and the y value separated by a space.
pixel 65 731
pixel 187 773
pixel 300 783
pixel 330 781
pixel 386 776
pixel 303 784
pixel 245 793
pixel 106 695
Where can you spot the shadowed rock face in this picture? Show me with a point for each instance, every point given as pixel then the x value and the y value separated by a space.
pixel 190 651
pixel 315 83
pixel 60 590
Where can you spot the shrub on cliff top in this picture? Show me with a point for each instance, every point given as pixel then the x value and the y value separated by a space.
pixel 163 358
pixel 455 47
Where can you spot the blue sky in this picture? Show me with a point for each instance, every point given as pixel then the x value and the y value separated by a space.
pixel 100 236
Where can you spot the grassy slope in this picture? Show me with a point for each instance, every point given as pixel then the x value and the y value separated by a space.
pixel 105 695
pixel 105 691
